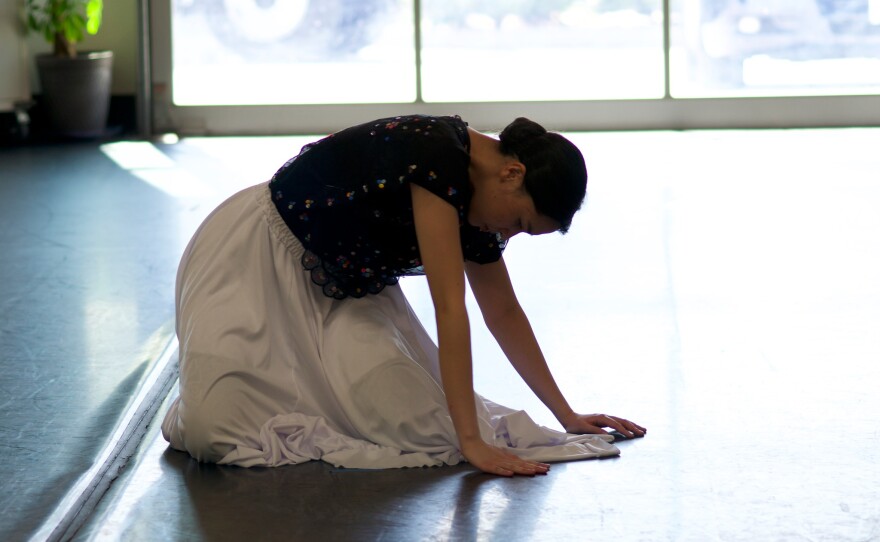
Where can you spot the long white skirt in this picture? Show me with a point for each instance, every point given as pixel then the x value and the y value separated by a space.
pixel 272 372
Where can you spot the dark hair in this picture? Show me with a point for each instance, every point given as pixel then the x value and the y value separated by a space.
pixel 556 176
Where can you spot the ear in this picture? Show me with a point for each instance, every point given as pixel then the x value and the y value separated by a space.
pixel 513 174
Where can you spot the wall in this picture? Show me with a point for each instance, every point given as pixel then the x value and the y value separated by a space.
pixel 14 59
pixel 118 33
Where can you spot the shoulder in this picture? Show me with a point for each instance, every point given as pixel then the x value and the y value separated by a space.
pixel 418 130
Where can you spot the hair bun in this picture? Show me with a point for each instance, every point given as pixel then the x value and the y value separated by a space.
pixel 519 134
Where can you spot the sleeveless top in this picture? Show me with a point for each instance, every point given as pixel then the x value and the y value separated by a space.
pixel 347 199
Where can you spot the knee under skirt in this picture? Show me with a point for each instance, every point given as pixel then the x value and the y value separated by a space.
pixel 272 372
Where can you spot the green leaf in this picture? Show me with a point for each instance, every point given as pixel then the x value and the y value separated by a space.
pixel 79 23
pixel 72 28
pixel 71 18
pixel 94 10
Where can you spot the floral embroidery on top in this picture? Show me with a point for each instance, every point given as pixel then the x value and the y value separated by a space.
pixel 356 226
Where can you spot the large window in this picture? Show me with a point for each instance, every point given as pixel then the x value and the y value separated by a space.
pixel 775 47
pixel 256 52
pixel 364 51
pixel 541 50
pixel 309 65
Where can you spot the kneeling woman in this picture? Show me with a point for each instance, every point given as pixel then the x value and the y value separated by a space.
pixel 296 343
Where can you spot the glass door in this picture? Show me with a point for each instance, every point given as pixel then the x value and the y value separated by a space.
pixel 260 52
pixel 315 66
pixel 548 50
pixel 775 47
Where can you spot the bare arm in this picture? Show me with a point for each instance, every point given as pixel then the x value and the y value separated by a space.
pixel 509 325
pixel 437 230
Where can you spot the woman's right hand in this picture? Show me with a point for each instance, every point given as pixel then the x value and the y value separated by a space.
pixel 494 460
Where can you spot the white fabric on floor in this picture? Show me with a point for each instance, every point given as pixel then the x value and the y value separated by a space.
pixel 272 372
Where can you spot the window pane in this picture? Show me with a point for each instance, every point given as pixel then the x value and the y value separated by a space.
pixel 775 47
pixel 524 50
pixel 292 51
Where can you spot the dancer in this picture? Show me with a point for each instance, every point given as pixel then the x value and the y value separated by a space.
pixel 296 342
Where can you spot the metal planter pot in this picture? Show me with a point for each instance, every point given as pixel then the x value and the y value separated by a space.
pixel 77 92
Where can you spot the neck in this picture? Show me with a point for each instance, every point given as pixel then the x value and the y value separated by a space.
pixel 486 157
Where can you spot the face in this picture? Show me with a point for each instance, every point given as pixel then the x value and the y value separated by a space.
pixel 502 205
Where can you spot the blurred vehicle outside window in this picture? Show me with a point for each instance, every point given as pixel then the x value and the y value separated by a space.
pixel 774 47
pixel 260 52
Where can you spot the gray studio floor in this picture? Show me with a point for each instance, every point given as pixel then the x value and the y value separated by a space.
pixel 720 288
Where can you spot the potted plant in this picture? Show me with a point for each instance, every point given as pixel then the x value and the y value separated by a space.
pixel 76 86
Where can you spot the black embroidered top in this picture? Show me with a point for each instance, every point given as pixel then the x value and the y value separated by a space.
pixel 347 199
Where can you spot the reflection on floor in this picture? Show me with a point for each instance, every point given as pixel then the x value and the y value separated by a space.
pixel 88 257
pixel 720 288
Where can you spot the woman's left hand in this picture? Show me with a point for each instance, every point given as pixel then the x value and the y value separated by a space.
pixel 595 424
